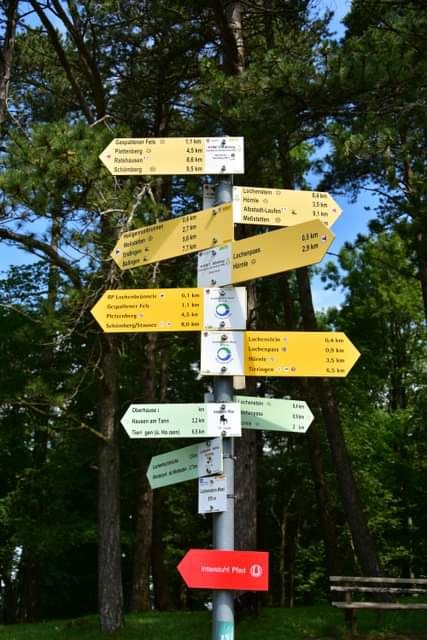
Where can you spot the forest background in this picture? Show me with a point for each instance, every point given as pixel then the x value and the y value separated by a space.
pixel 80 529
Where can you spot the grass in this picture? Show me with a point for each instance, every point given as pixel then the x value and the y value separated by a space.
pixel 302 623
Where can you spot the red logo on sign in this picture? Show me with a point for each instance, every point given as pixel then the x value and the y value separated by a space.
pixel 219 569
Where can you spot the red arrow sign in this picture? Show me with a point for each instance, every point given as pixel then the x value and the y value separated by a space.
pixel 218 569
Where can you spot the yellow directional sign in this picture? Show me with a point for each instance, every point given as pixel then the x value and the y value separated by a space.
pixel 298 353
pixel 264 254
pixel 174 237
pixel 283 207
pixel 280 250
pixel 161 156
pixel 142 310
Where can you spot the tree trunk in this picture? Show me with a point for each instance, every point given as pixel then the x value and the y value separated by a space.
pixel 30 578
pixel 228 19
pixel 140 598
pixel 110 592
pixel 421 250
pixel 6 61
pixel 162 599
pixel 292 524
pixel 245 480
pixel 324 502
pixel 362 539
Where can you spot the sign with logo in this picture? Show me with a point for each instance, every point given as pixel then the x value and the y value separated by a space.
pixel 212 494
pixel 175 237
pixel 283 207
pixel 225 308
pixel 182 420
pixel 219 569
pixel 163 156
pixel 142 310
pixel 214 266
pixel 265 254
pixel 222 353
pixel 274 414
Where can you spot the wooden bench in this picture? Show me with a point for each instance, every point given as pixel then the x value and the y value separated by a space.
pixel 375 593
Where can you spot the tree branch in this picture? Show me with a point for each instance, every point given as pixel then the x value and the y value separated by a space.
pixel 31 243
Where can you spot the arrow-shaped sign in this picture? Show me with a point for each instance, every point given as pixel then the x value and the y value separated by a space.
pixel 175 237
pixel 182 420
pixel 283 207
pixel 218 569
pixel 265 254
pixel 327 354
pixel 274 414
pixel 162 156
pixel 187 463
pixel 142 310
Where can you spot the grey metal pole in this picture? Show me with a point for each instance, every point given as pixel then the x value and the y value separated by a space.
pixel 223 522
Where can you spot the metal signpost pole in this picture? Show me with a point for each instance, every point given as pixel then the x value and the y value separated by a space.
pixel 223 522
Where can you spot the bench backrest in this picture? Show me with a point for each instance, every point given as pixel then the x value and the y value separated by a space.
pixel 363 584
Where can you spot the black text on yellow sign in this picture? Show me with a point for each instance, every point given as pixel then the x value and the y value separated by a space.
pixel 175 237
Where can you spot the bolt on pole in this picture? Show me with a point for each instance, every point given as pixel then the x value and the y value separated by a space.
pixel 223 522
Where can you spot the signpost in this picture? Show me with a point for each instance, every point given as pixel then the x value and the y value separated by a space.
pixel 328 354
pixel 274 414
pixel 265 254
pixel 283 207
pixel 142 310
pixel 175 237
pixel 187 463
pixel 182 420
pixel 222 569
pixel 215 311
pixel 164 156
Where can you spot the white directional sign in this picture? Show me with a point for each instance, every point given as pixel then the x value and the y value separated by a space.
pixel 274 414
pixel 212 494
pixel 187 463
pixel 182 420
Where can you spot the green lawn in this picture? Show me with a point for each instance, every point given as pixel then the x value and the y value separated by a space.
pixel 302 623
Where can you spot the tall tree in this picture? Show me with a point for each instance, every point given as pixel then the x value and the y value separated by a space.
pixel 379 136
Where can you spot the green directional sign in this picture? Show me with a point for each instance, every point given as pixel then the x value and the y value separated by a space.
pixel 173 467
pixel 274 414
pixel 184 464
pixel 182 420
